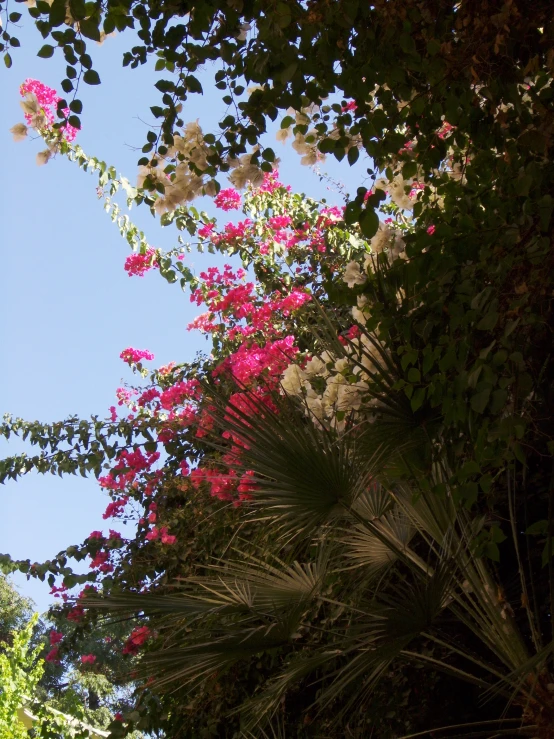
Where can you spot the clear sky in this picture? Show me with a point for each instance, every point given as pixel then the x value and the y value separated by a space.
pixel 68 306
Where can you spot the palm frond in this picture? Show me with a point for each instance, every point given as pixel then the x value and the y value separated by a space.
pixel 304 475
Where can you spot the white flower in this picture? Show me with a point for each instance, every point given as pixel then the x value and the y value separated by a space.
pixel 43 157
pixel 301 119
pixel 19 131
pixel 210 188
pixel 315 406
pixel 291 380
pixel 299 144
pixel 315 367
pixel 332 390
pixel 381 240
pixel 283 134
pixel 309 159
pixel 352 275
pixel 341 365
pixel 358 313
pixel 30 104
pixel 397 190
pixel 349 397
pixel 193 130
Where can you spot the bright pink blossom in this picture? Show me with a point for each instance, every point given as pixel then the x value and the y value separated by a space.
pixel 137 638
pixel 76 614
pixel 228 199
pixel 140 264
pixel 55 637
pixel 88 659
pixel 132 356
pixel 47 99
pixel 53 655
pixel 206 231
pixel 167 538
pixel 116 507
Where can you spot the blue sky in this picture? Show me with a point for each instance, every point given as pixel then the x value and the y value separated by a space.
pixel 68 306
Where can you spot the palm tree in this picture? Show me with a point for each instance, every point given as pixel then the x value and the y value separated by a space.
pixel 368 560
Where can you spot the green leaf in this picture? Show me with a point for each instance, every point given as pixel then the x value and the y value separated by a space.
pixel 78 9
pixel 193 85
pixel 46 51
pixel 488 322
pixel 57 13
pixel 282 15
pixel 7 60
pixel 417 399
pixel 479 400
pixel 90 30
pixel 353 155
pixel 539 528
pixel 76 106
pixel 369 223
pixel 91 77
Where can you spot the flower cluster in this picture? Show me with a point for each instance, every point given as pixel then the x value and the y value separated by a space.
pixel 137 639
pixel 139 264
pixel 39 106
pixel 228 199
pixel 133 356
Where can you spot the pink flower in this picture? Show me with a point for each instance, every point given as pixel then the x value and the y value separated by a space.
pixel 47 99
pixel 228 199
pixel 101 558
pixel 167 538
pixel 113 414
pixel 206 231
pixel 76 614
pixel 140 264
pixel 353 332
pixel 152 535
pixel 431 230
pixel 350 105
pixel 277 222
pixel 95 535
pixel 115 508
pixel 88 659
pixel 53 655
pixel 271 182
pixel 55 637
pixel 132 356
pixel 118 716
pixel 55 590
pixel 136 639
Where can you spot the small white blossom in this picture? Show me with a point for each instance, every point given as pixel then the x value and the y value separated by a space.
pixel 19 131
pixel 352 275
pixel 315 367
pixel 30 104
pixel 292 379
pixel 283 134
pixel 43 157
